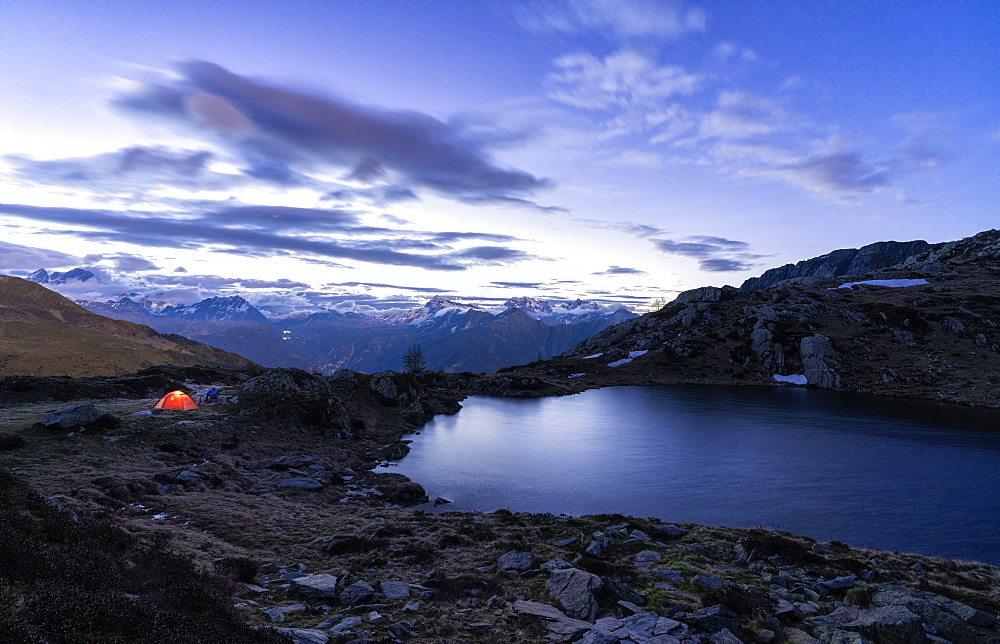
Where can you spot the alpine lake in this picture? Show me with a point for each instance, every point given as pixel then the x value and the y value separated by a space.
pixel 890 474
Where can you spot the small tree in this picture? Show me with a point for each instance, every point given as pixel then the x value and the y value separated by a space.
pixel 413 360
pixel 658 303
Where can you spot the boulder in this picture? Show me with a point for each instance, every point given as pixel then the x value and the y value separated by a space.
pixel 515 560
pixel 88 415
pixel 301 484
pixel 305 635
pixel 818 361
pixel 646 559
pixel 395 589
pixel 316 586
pixel 288 462
pixel 574 590
pixel 886 625
pixel 952 620
pixel 716 618
pixel 356 592
pixel 707 583
pixel 555 620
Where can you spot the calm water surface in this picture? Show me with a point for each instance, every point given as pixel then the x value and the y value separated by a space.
pixel 910 476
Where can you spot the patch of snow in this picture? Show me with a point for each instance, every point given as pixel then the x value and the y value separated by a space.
pixel 889 283
pixel 596 355
pixel 794 379
pixel 618 363
pixel 636 354
pixel 160 516
pixel 576 375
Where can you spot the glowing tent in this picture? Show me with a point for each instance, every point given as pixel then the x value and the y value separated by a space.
pixel 176 400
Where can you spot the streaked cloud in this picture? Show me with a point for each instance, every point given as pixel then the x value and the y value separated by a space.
pixel 267 231
pixel 27 258
pixel 281 132
pixel 657 19
pixel 621 270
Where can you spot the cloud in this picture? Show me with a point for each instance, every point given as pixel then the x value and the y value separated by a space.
pixel 123 262
pixel 838 174
pixel 367 285
pixel 492 255
pixel 621 270
pixel 129 169
pixel 267 231
pixel 15 257
pixel 516 284
pixel 614 19
pixel 625 79
pixel 278 131
pixel 714 254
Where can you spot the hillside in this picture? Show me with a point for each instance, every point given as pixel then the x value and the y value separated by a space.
pixel 43 333
pixel 230 324
pixel 937 340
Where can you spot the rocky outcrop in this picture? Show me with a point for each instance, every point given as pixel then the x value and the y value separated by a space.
pixel 574 590
pixel 847 261
pixel 88 416
pixel 818 361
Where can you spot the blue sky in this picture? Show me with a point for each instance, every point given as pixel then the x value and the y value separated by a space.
pixel 369 154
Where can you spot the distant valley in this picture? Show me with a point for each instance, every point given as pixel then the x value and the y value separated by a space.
pixel 453 336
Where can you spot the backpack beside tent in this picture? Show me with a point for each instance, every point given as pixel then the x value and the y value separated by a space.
pixel 176 400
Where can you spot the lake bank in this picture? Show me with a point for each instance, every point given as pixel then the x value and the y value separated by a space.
pixel 237 504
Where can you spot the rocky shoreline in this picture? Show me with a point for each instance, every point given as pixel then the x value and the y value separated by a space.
pixel 274 491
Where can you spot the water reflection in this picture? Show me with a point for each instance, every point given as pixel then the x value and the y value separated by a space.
pixel 885 473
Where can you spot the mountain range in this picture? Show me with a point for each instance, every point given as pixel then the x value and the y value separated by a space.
pixel 453 336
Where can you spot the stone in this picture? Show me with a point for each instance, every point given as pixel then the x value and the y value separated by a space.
pixel 707 583
pixel 797 636
pixel 887 625
pixel 818 360
pixel 596 548
pixel 395 589
pixel 319 586
pixel 187 476
pixel 724 637
pixel 763 636
pixel 87 415
pixel 555 620
pixel 412 606
pixel 356 592
pixel 640 535
pixel 346 624
pixel 556 564
pixel 574 590
pixel 951 620
pixel 286 462
pixel 716 618
pixel 277 614
pixel 563 542
pixel 305 635
pixel 837 584
pixel 646 559
pixel 402 629
pixel 673 576
pixel 301 484
pixel 515 560
pixel 665 530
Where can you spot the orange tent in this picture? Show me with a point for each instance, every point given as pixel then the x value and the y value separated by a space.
pixel 176 400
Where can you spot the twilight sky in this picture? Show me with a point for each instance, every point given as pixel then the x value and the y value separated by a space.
pixel 358 153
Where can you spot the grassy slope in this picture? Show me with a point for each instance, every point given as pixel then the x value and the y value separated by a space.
pixel 43 333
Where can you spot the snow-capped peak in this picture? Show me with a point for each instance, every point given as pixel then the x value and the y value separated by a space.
pixel 529 305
